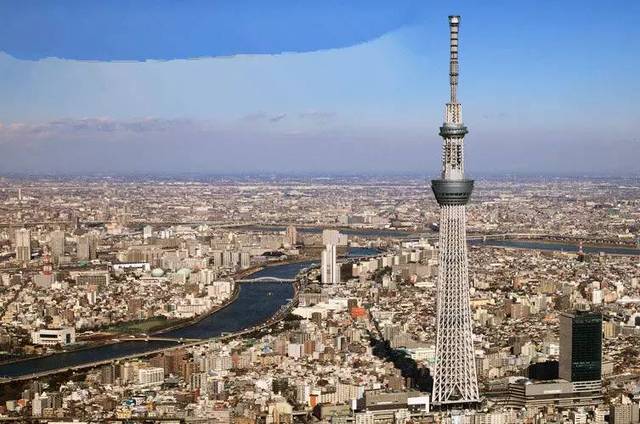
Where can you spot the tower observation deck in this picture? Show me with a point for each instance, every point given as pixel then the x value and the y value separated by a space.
pixel 455 379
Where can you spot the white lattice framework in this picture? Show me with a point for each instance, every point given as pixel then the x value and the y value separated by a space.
pixel 455 377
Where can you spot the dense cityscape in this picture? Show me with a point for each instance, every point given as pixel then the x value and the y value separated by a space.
pixel 220 213
pixel 89 263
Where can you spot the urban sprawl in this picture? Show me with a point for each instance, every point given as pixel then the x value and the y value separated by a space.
pixel 337 281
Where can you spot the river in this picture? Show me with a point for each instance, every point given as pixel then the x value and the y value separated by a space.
pixel 256 303
pixel 362 232
pixel 557 246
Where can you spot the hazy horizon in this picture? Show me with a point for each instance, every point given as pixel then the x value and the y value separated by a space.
pixel 187 176
pixel 227 88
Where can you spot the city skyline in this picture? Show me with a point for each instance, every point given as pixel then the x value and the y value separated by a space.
pixel 240 212
pixel 365 96
pixel 112 262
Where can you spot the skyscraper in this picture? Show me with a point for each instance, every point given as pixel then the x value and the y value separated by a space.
pixel 292 235
pixel 23 245
pixel 328 264
pixel 87 247
pixel 455 380
pixel 581 348
pixel 56 244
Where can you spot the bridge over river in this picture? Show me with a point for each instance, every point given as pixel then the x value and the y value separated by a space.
pixel 262 301
pixel 266 280
pixel 163 344
pixel 264 298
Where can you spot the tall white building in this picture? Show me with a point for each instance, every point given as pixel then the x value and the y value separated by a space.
pixel 39 403
pixel 330 270
pixel 216 258
pixel 23 245
pixel 147 232
pixel 245 259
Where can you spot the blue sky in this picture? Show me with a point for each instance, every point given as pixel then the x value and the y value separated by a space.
pixel 547 87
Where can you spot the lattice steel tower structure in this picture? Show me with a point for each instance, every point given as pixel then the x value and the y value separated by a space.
pixel 455 380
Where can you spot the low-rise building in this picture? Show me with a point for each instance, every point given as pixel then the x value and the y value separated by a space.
pixel 54 336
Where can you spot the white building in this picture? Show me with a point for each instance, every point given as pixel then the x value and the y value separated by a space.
pixel 422 353
pixel 123 266
pixel 220 289
pixel 39 403
pixel 578 417
pixel 245 260
pixel 191 306
pixel 54 336
pixel 366 417
pixel 330 270
pixel 596 297
pixel 150 376
pixel 147 232
pixel 294 350
pixel 207 276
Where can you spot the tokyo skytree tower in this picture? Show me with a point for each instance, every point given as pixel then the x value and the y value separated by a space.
pixel 455 380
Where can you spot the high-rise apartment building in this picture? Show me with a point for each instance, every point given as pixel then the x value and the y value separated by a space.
pixel 292 235
pixel 216 258
pixel 245 259
pixel 330 270
pixel 625 413
pixel 57 244
pixel 74 221
pixel 23 245
pixel 87 248
pixel 227 258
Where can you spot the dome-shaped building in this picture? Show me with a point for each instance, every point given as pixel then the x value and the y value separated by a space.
pixel 157 272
